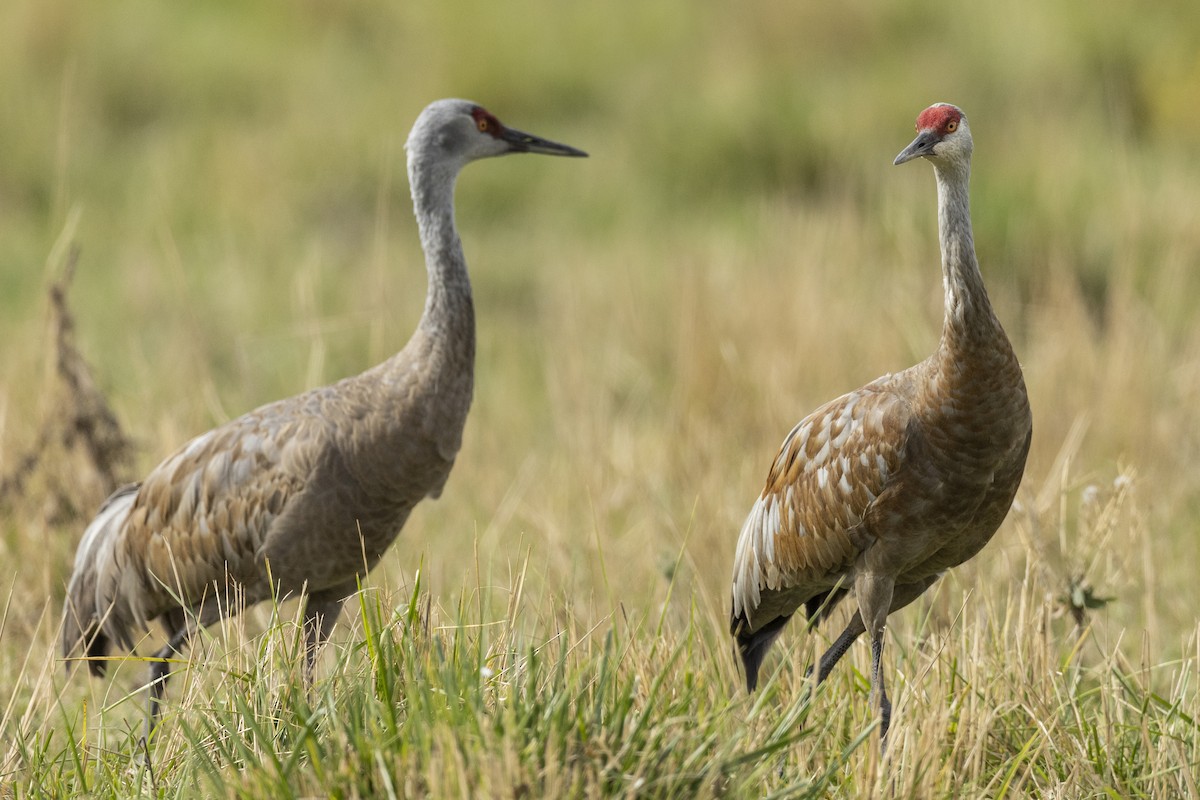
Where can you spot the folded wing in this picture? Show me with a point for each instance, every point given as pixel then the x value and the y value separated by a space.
pixel 806 528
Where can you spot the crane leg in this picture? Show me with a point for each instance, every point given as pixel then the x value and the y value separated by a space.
pixel 885 705
pixel 899 597
pixel 833 655
pixel 875 594
pixel 180 626
pixel 320 614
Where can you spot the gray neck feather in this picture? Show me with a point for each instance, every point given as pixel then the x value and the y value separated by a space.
pixel 449 310
pixel 968 310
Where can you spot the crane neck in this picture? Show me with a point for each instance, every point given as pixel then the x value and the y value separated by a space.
pixel 449 309
pixel 969 319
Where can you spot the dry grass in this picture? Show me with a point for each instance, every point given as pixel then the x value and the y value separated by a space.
pixel 652 321
pixel 80 453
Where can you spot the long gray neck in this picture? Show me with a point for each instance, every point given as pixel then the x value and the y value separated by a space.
pixel 968 312
pixel 449 314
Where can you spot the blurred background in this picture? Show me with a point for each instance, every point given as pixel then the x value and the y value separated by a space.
pixel 653 320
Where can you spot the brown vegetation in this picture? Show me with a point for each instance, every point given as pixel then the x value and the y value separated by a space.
pixel 80 453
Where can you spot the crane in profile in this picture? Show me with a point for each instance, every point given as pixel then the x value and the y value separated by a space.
pixel 302 496
pixel 885 488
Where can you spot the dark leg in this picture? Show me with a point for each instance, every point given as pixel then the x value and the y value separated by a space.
pixel 876 594
pixel 320 614
pixel 180 625
pixel 885 705
pixel 835 652
pixel 753 647
pixel 901 596
pixel 160 668
pixel 838 649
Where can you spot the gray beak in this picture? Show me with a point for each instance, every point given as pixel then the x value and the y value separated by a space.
pixel 521 142
pixel 921 146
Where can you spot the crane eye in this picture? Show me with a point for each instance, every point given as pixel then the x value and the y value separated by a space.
pixel 483 124
pixel 952 126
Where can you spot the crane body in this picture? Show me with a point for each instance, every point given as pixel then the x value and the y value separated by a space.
pixel 302 496
pixel 882 490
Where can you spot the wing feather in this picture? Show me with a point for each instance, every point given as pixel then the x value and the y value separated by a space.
pixel 201 516
pixel 805 529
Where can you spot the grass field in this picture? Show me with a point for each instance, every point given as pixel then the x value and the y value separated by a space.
pixel 652 321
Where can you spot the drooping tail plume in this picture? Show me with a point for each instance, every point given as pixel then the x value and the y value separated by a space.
pixel 83 618
pixel 753 646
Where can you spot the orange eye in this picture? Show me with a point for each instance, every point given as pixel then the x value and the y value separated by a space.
pixel 951 126
pixel 483 124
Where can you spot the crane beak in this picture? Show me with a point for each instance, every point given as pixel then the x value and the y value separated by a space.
pixel 921 146
pixel 521 142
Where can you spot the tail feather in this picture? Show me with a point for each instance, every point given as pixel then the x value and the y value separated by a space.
pixel 753 645
pixel 83 618
pixel 81 630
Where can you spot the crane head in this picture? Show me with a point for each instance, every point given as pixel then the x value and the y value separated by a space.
pixel 459 131
pixel 942 134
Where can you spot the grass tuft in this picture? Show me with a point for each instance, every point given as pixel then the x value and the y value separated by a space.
pixel 652 320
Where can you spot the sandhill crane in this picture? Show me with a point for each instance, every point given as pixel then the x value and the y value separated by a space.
pixel 304 495
pixel 884 488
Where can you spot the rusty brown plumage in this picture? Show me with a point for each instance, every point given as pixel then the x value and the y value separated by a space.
pixel 884 488
pixel 302 496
